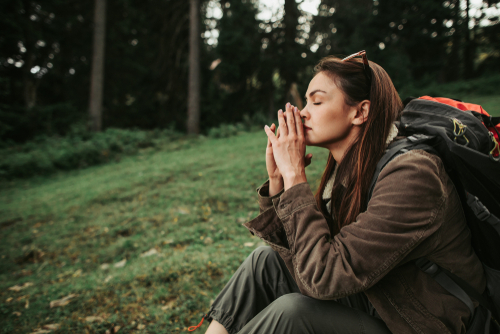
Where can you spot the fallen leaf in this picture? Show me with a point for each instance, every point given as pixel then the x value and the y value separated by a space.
pixel 120 264
pixel 27 305
pixel 63 301
pixel 77 273
pixel 41 331
pixel 17 313
pixel 168 241
pixel 93 319
pixel 20 287
pixel 51 326
pixel 150 252
pixel 107 331
pixel 107 279
pixel 169 305
pixel 248 244
pixel 241 220
pixel 9 300
pixel 183 211
pixel 22 297
pixel 104 266
pixel 116 329
pixel 141 326
pixel 208 241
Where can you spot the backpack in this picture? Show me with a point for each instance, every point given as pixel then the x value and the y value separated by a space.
pixel 466 139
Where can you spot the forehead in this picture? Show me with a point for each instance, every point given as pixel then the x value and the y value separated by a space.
pixel 323 82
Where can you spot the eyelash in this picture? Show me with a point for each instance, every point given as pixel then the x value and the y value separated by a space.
pixel 317 103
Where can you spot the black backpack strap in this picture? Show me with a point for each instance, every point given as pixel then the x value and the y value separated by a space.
pixel 440 276
pixel 396 148
pixel 456 286
pixel 482 213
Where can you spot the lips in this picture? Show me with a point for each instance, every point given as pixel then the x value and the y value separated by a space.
pixel 307 128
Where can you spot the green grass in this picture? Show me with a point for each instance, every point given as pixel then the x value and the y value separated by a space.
pixel 489 103
pixel 188 205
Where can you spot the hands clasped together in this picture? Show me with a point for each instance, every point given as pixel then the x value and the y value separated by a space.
pixel 285 151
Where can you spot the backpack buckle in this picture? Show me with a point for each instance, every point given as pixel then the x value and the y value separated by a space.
pixel 480 211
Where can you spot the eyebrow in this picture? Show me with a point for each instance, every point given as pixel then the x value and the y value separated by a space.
pixel 314 92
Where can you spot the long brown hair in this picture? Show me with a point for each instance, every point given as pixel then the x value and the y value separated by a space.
pixel 356 169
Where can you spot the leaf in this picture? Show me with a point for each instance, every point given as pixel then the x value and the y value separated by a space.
pixel 107 279
pixel 17 313
pixel 51 326
pixel 141 326
pixel 208 241
pixel 169 304
pixel 93 319
pixel 77 273
pixel 116 329
pixel 20 287
pixel 41 331
pixel 63 301
pixel 150 252
pixel 248 244
pixel 27 305
pixel 104 266
pixel 120 264
pixel 9 300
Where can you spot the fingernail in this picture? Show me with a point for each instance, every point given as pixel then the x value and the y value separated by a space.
pixel 280 111
pixel 296 109
pixel 266 127
pixel 288 105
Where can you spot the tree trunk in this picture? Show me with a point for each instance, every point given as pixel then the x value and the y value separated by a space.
pixel 193 123
pixel 469 49
pixel 97 76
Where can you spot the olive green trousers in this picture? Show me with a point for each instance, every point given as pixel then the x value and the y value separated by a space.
pixel 262 297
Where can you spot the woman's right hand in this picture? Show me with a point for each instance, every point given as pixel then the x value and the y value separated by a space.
pixel 276 182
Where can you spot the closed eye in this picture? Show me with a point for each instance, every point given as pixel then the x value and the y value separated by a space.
pixel 317 103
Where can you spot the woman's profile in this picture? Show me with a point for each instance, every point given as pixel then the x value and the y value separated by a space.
pixel 336 262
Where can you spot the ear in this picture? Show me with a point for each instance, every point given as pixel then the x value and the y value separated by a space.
pixel 362 113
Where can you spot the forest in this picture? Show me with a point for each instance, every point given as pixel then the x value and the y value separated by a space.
pixel 247 58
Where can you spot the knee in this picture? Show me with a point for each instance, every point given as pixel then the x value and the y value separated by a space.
pixel 263 256
pixel 263 251
pixel 291 307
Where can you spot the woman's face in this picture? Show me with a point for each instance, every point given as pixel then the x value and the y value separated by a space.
pixel 328 120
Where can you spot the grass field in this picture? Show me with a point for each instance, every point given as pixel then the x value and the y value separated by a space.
pixel 144 244
pixel 184 207
pixel 490 103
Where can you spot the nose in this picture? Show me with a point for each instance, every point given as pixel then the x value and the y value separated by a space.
pixel 304 113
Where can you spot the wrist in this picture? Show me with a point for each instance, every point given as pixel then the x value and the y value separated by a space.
pixel 275 186
pixel 294 178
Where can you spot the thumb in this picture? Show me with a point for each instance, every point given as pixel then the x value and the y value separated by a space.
pixel 308 159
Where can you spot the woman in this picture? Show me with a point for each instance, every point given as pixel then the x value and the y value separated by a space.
pixel 336 264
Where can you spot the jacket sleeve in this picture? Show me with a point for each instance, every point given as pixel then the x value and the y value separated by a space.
pixel 407 198
pixel 266 201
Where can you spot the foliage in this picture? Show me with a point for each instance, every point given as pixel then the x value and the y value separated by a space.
pixel 65 233
pixel 482 86
pixel 45 57
pixel 79 149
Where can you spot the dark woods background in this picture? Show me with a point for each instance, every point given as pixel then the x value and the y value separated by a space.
pixel 248 72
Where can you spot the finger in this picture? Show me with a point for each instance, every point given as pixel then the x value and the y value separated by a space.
pixel 298 123
pixel 290 119
pixel 273 127
pixel 308 159
pixel 278 133
pixel 282 123
pixel 270 134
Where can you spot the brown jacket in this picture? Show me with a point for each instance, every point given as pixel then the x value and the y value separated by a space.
pixel 414 212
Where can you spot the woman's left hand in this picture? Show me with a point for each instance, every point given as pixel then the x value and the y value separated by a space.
pixel 289 147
